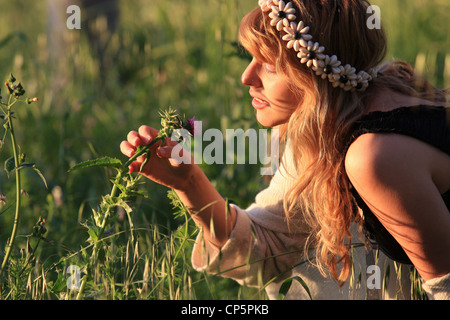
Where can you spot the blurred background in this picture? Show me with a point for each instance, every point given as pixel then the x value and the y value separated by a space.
pixel 131 59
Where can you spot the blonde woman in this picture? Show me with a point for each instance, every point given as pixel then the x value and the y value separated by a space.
pixel 366 164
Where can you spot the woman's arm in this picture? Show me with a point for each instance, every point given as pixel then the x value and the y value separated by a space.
pixel 208 209
pixel 394 176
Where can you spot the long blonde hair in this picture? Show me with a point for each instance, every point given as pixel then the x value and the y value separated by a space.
pixel 320 128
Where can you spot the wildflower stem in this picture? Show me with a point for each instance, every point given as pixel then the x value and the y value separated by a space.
pixel 18 188
pixel 170 121
pixel 143 150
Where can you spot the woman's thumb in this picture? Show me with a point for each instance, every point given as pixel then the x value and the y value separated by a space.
pixel 175 153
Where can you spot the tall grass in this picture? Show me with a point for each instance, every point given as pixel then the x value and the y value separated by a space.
pixel 160 53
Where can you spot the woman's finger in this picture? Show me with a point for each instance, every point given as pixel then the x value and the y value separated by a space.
pixel 164 152
pixel 147 134
pixel 134 139
pixel 134 167
pixel 127 149
pixel 176 154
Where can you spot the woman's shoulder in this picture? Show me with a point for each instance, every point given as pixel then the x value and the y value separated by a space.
pixel 378 152
pixel 377 159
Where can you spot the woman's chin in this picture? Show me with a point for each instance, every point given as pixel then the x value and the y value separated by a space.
pixel 267 120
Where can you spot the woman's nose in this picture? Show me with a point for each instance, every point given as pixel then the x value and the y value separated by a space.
pixel 250 76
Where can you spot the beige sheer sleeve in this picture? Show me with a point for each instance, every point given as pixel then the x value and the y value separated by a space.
pixel 439 288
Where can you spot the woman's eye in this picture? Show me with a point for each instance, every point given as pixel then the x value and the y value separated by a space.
pixel 270 68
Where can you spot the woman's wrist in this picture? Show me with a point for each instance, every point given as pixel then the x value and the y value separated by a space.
pixel 196 191
pixel 192 179
pixel 207 207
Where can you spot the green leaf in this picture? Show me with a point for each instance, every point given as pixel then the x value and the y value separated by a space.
pixel 284 289
pixel 117 202
pixel 287 285
pixel 59 284
pixel 41 175
pixel 12 79
pixel 93 233
pixel 101 162
pixel 146 160
pixel 9 165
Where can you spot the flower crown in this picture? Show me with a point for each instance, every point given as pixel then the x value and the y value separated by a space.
pixel 311 53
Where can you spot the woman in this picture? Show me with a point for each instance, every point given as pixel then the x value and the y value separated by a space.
pixel 367 145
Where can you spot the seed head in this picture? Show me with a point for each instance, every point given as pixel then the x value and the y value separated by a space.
pixel 28 100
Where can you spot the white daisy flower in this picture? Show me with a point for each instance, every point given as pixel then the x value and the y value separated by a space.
pixel 373 72
pixel 328 68
pixel 347 78
pixel 297 35
pixel 283 17
pixel 363 79
pixel 266 5
pixel 313 51
pixel 282 14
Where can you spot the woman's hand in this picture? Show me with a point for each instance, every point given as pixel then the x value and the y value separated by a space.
pixel 161 167
pixel 206 206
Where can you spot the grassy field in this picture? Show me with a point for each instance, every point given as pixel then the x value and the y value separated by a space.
pixel 98 83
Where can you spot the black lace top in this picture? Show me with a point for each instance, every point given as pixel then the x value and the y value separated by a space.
pixel 426 123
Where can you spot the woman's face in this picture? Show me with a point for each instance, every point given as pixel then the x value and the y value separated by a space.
pixel 273 99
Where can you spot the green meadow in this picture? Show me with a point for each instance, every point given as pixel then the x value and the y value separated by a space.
pixel 130 60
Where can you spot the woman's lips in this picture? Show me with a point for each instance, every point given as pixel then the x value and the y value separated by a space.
pixel 259 103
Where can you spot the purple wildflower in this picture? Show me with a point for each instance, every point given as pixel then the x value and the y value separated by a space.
pixel 190 125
